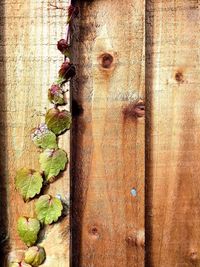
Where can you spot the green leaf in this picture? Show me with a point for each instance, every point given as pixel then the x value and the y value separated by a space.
pixel 28 182
pixel 53 161
pixel 58 121
pixel 56 95
pixel 19 264
pixel 35 255
pixel 14 264
pixel 43 137
pixel 48 209
pixel 28 229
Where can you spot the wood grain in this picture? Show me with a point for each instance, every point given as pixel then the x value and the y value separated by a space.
pixel 108 129
pixel 30 62
pixel 173 139
pixel 108 135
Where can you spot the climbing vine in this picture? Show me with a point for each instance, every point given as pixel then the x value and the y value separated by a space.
pixel 52 159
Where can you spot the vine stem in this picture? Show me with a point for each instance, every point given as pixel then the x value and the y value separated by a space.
pixel 67 28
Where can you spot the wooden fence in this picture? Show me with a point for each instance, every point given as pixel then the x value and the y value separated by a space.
pixel 134 174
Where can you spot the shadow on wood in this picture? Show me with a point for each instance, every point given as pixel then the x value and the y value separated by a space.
pixel 3 146
pixel 148 131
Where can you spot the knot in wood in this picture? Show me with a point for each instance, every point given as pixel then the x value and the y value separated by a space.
pixel 135 110
pixel 137 239
pixel 106 60
pixel 139 109
pixel 179 77
pixel 140 238
pixel 94 232
pixel 193 256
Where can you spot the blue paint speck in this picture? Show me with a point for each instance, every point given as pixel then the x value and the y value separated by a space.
pixel 134 192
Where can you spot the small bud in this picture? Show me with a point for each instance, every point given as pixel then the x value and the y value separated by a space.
pixel 35 255
pixel 55 95
pixel 63 47
pixel 67 71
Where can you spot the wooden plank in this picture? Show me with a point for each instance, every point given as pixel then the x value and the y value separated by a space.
pixel 173 169
pixel 108 135
pixel 30 64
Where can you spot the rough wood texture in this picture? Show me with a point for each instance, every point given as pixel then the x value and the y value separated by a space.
pixel 29 64
pixel 173 139
pixel 108 135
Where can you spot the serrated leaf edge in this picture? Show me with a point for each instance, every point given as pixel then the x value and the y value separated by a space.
pixel 53 220
pixel 47 178
pixel 33 194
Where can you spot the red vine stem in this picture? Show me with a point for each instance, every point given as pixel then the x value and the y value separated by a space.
pixel 67 28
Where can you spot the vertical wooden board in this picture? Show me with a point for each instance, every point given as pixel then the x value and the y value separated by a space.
pixel 30 65
pixel 173 155
pixel 3 184
pixel 108 135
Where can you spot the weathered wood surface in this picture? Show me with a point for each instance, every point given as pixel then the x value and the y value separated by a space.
pixel 108 135
pixel 29 64
pixel 173 133
pixel 108 132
